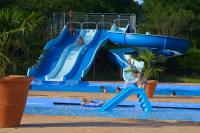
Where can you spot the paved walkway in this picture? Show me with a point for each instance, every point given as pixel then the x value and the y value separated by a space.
pixel 60 124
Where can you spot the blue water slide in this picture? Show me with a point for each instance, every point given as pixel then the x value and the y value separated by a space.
pixel 71 65
pixel 117 99
pixel 122 95
pixel 51 54
pixel 120 57
pixel 66 60
pixel 85 61
pixel 168 46
pixel 166 43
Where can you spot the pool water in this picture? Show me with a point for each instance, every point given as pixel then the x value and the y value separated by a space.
pixel 119 112
pixel 45 106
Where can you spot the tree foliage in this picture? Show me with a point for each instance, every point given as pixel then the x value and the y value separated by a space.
pixel 16 32
pixel 151 69
pixel 99 6
pixel 167 18
pixel 180 18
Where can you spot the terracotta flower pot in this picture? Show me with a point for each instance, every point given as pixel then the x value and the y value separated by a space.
pixel 13 95
pixel 150 88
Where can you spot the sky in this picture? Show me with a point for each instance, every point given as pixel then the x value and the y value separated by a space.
pixel 139 1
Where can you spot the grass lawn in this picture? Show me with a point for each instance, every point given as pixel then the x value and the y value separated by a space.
pixel 179 79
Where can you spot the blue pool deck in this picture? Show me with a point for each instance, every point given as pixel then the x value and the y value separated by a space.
pixel 85 86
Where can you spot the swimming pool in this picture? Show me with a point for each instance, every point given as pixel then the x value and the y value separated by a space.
pixel 45 106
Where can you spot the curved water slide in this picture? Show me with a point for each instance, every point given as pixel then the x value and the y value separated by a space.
pixel 166 44
pixel 51 54
pixel 120 57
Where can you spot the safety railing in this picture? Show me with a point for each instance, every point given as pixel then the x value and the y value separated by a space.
pixel 104 25
pixel 88 25
pixel 59 19
pixel 75 25
pixel 95 17
pixel 109 17
pixel 121 22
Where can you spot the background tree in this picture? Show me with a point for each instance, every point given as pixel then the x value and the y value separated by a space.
pixel 17 30
pixel 175 18
pixel 179 18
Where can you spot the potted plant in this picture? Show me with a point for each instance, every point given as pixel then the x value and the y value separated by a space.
pixel 15 31
pixel 151 70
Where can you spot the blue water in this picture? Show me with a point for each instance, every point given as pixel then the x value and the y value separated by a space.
pixel 45 106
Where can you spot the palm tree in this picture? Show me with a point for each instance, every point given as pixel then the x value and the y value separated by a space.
pixel 150 70
pixel 16 30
